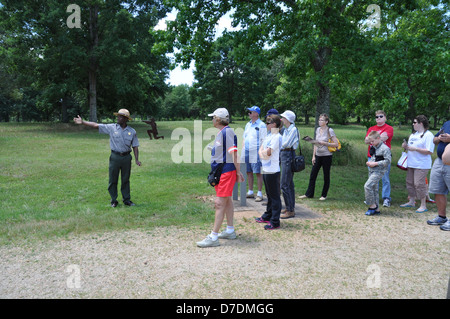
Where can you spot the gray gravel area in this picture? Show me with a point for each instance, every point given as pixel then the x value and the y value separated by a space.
pixel 316 255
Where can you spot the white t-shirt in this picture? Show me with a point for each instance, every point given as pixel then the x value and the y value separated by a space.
pixel 272 165
pixel 416 159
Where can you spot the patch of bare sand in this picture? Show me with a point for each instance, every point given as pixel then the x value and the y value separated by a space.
pixel 335 256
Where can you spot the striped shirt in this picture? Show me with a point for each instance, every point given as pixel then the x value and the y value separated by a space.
pixel 290 137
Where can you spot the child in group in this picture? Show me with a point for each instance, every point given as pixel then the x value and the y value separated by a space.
pixel 269 153
pixel 378 164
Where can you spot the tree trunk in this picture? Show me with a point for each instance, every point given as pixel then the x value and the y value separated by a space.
pixel 319 62
pixel 323 100
pixel 93 62
pixel 64 114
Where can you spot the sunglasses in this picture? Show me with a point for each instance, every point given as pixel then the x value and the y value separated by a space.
pixel 415 122
pixel 379 116
pixel 269 123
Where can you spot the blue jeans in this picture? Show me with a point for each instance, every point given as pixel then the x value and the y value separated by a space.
pixel 287 180
pixel 386 184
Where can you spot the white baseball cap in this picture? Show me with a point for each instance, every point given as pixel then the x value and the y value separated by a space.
pixel 220 112
pixel 289 115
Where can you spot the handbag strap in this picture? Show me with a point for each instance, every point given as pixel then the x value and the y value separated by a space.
pixel 299 148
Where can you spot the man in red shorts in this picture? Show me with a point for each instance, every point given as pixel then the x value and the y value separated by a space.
pixel 224 151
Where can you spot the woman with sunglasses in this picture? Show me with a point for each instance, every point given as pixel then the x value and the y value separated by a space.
pixel 420 147
pixel 269 153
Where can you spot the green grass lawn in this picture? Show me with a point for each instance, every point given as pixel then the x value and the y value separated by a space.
pixel 54 179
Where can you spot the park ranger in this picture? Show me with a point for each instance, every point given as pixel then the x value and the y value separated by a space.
pixel 122 139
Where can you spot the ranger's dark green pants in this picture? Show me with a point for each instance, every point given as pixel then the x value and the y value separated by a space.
pixel 122 164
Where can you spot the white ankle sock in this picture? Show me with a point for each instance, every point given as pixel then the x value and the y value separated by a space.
pixel 214 235
pixel 230 229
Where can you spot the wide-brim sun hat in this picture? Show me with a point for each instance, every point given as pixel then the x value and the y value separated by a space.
pixel 124 112
pixel 289 115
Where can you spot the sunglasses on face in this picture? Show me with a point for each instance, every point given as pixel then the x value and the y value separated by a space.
pixel 269 123
pixel 415 122
pixel 379 116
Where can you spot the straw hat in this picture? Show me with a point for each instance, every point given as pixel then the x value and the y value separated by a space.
pixel 124 112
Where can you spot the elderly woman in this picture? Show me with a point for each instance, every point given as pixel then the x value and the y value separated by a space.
pixel 322 157
pixel 290 142
pixel 420 147
pixel 224 151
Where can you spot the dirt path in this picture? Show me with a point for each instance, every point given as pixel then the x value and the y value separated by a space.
pixel 331 255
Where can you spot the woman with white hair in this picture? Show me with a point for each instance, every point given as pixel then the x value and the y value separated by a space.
pixel 223 153
pixel 290 142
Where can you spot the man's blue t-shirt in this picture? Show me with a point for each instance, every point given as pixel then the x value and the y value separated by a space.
pixel 441 146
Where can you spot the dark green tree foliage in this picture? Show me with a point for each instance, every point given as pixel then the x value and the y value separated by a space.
pixel 406 71
pixel 103 65
pixel 177 104
pixel 333 62
pixel 225 82
pixel 313 35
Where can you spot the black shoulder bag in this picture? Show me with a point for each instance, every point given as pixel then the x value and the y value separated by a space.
pixel 214 175
pixel 298 163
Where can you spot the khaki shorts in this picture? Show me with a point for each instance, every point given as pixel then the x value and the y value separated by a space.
pixel 439 178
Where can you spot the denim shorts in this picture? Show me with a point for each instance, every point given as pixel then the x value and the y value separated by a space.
pixel 439 178
pixel 254 167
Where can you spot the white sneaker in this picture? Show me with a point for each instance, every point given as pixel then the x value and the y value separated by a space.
pixel 387 203
pixel 208 242
pixel 225 235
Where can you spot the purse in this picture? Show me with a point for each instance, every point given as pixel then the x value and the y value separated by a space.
pixel 330 140
pixel 214 175
pixel 298 164
pixel 403 161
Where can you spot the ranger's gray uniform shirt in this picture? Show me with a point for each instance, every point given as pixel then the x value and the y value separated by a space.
pixel 120 140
